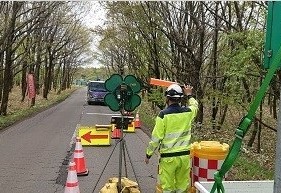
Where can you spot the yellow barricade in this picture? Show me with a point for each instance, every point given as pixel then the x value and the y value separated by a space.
pixel 128 120
pixel 131 127
pixel 99 135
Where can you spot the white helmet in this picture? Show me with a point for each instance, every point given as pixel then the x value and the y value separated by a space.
pixel 174 91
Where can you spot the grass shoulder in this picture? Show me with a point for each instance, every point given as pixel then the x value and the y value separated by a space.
pixel 18 110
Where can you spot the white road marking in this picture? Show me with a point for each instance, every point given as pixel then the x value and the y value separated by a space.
pixel 75 134
pixel 102 114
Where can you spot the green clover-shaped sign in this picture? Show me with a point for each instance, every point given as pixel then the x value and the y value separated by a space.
pixel 122 93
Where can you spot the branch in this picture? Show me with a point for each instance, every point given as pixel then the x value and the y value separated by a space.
pixel 269 127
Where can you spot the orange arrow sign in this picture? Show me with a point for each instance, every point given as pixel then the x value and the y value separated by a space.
pixel 88 136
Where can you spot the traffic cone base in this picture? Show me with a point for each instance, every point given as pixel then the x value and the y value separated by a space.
pixel 116 134
pixel 79 159
pixel 137 121
pixel 86 173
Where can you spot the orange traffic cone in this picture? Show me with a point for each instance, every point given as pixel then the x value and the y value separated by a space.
pixel 116 133
pixel 79 159
pixel 137 121
pixel 71 185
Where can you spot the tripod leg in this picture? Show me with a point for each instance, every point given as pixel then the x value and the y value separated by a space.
pixel 119 185
pixel 124 154
pixel 126 148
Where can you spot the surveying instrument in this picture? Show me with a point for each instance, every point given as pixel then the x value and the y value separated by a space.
pixel 122 96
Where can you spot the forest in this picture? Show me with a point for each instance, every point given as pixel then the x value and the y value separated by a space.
pixel 47 39
pixel 215 46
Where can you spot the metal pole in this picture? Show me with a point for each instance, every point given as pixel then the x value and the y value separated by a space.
pixel 120 153
pixel 277 179
pixel 120 166
pixel 124 155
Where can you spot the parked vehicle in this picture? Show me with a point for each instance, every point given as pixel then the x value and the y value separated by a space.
pixel 96 92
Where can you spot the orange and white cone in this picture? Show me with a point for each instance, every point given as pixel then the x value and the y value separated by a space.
pixel 79 159
pixel 137 121
pixel 71 185
pixel 116 133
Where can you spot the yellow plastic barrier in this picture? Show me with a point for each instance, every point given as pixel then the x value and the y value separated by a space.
pixel 131 127
pixel 213 150
pixel 207 158
pixel 128 120
pixel 99 135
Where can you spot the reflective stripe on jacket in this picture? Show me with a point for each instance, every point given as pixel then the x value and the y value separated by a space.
pixel 172 130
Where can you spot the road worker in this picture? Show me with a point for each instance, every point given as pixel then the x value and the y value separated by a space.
pixel 171 137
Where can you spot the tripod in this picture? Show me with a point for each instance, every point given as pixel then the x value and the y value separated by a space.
pixel 123 150
pixel 122 94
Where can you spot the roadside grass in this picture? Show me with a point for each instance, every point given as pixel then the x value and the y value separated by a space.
pixel 148 115
pixel 247 169
pixel 249 165
pixel 18 110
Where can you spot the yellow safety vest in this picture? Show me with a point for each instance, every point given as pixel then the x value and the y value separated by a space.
pixel 172 130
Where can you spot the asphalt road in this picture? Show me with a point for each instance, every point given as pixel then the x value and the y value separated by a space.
pixel 35 152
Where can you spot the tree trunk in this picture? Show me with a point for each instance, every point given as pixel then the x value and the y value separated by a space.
pixel 259 132
pixel 48 76
pixel 247 89
pixel 8 74
pixel 37 78
pixel 1 74
pixel 223 116
pixel 257 128
pixel 254 134
pixel 275 97
pixel 63 81
pixel 260 125
pixel 68 78
pixel 64 78
pixel 215 101
pixel 45 88
pixel 23 81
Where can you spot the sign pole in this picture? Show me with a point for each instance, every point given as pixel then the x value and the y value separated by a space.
pixel 123 90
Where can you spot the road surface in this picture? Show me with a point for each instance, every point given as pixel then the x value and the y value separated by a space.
pixel 35 152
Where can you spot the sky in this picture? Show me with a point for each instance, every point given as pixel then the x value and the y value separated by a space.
pixel 97 14
pixel 96 17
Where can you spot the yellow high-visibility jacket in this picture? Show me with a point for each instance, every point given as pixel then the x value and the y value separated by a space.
pixel 172 130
